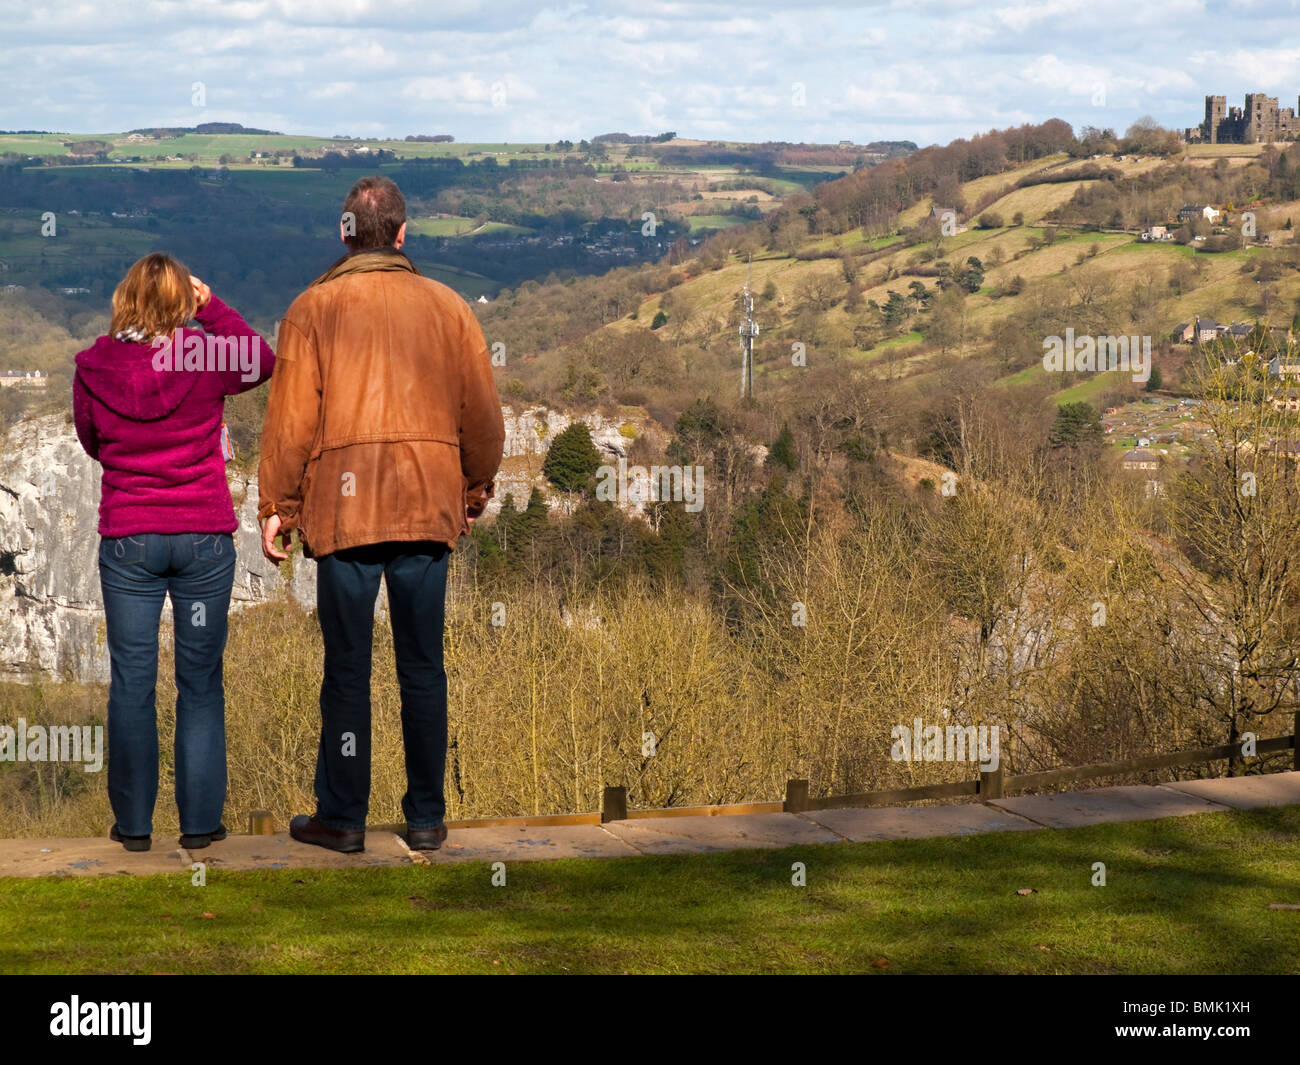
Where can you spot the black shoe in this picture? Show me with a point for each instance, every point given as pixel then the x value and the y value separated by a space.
pixel 426 839
pixel 199 840
pixel 308 830
pixel 131 843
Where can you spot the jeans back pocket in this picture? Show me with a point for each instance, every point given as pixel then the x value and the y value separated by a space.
pixel 124 550
pixel 215 546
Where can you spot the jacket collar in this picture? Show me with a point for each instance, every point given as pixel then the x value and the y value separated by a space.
pixel 365 261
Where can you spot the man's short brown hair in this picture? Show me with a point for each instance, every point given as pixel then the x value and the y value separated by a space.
pixel 376 210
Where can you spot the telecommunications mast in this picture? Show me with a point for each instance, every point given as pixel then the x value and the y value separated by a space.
pixel 748 331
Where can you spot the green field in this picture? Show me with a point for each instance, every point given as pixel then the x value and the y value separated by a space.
pixel 457 226
pixel 76 241
pixel 715 221
pixel 300 185
pixel 1182 895
pixel 1084 391
pixel 1087 390
pixel 469 285
pixel 439 227
pixel 210 147
pixel 914 337
pixel 40 143
pixel 1185 251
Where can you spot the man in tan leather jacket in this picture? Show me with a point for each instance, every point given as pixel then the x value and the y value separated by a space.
pixel 382 435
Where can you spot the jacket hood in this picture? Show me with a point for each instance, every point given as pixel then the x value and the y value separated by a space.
pixel 121 375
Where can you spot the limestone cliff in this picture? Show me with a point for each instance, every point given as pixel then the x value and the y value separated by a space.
pixel 51 614
pixel 529 434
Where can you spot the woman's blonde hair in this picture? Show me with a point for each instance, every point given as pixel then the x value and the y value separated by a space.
pixel 154 298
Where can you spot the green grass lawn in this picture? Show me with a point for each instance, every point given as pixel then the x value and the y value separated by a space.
pixel 1183 895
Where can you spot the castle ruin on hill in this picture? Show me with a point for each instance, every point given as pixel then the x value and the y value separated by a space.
pixel 1259 122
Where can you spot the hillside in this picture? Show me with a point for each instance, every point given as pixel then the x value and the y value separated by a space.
pixel 896 307
pixel 77 209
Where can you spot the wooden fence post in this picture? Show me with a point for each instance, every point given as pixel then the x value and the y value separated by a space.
pixel 796 796
pixel 991 784
pixel 613 806
pixel 261 823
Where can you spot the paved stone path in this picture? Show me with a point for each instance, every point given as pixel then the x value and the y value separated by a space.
pixel 668 835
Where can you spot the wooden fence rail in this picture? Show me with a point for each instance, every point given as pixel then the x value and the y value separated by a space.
pixel 993 784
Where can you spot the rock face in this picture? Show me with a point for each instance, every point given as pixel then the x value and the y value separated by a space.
pixel 529 435
pixel 51 613
pixel 531 431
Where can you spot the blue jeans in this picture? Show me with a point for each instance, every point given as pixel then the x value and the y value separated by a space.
pixel 136 573
pixel 347 583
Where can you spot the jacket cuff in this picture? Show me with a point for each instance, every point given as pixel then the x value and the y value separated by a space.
pixel 476 500
pixel 209 310
pixel 288 517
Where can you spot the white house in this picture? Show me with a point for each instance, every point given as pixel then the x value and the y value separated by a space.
pixel 1194 212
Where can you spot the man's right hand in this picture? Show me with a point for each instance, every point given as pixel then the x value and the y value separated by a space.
pixel 269 532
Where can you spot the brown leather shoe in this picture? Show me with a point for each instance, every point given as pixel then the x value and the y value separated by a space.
pixel 426 839
pixel 308 830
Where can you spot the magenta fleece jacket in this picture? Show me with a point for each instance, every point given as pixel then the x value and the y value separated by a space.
pixel 152 417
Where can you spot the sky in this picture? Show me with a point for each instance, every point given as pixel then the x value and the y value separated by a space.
pixel 921 70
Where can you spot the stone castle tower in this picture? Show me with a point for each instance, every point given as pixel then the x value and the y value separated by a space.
pixel 1261 121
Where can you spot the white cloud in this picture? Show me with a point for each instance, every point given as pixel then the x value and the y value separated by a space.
pixel 929 69
pixel 1022 16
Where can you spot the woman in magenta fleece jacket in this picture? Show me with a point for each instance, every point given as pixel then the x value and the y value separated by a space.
pixel 148 402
